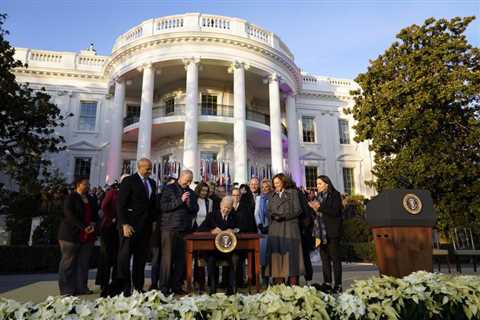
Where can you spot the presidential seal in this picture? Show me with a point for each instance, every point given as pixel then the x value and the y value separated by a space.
pixel 412 203
pixel 226 241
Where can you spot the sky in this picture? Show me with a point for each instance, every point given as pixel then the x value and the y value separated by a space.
pixel 328 38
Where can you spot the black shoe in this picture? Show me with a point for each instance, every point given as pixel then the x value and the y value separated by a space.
pixel 140 290
pixel 85 292
pixel 231 291
pixel 212 290
pixel 337 289
pixel 105 292
pixel 180 292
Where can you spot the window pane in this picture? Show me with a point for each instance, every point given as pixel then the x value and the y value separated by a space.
pixel 208 155
pixel 344 131
pixel 170 106
pixel 311 177
pixel 348 181
pixel 88 115
pixel 133 111
pixel 82 167
pixel 308 125
pixel 209 105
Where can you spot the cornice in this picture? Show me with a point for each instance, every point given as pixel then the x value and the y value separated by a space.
pixel 130 50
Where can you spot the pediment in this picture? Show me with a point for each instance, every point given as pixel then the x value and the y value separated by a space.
pixel 312 156
pixel 349 157
pixel 83 145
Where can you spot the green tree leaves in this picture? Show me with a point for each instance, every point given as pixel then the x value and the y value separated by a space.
pixel 27 122
pixel 419 107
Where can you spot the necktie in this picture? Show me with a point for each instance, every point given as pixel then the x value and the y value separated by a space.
pixel 146 187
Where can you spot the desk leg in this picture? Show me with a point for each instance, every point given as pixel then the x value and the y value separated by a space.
pixel 249 270
pixel 188 261
pixel 257 265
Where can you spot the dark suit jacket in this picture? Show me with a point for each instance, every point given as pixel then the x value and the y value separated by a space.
pixel 245 214
pixel 175 214
pixel 214 220
pixel 73 221
pixel 134 206
pixel 331 208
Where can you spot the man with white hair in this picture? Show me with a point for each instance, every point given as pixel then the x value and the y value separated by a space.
pixel 136 210
pixel 216 222
pixel 178 208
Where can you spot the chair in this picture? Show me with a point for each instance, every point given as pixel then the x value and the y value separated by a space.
pixel 439 251
pixel 465 244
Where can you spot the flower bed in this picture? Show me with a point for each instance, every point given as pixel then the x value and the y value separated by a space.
pixel 421 295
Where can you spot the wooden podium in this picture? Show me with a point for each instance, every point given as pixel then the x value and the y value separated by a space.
pixel 401 221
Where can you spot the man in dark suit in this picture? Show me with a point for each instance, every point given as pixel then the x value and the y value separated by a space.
pixel 216 222
pixel 178 209
pixel 136 209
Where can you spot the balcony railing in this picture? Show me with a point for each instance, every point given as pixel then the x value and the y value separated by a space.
pixel 218 110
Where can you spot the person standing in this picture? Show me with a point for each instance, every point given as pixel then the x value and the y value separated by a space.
pixel 108 241
pixel 328 209
pixel 212 194
pixel 76 236
pixel 157 239
pixel 178 208
pixel 136 210
pixel 305 221
pixel 284 246
pixel 205 207
pixel 261 218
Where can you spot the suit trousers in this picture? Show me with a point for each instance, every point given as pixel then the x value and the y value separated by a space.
pixel 172 263
pixel 330 255
pixel 107 264
pixel 73 267
pixel 233 260
pixel 138 246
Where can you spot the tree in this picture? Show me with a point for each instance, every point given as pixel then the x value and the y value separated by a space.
pixel 419 110
pixel 27 122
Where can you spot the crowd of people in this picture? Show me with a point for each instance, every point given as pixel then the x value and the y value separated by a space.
pixel 135 221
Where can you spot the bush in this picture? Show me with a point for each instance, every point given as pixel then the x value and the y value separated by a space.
pixel 420 295
pixel 26 259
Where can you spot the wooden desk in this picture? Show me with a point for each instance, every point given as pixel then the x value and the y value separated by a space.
pixel 205 241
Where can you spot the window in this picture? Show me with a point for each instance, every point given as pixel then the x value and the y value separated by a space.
pixel 310 177
pixel 308 125
pixel 348 181
pixel 82 167
pixel 209 105
pixel 128 166
pixel 169 106
pixel 133 111
pixel 88 116
pixel 208 155
pixel 166 158
pixel 344 131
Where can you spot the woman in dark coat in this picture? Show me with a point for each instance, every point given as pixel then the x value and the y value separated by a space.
pixel 76 236
pixel 305 221
pixel 284 244
pixel 328 208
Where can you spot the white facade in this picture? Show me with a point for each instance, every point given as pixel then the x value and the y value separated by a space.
pixel 199 91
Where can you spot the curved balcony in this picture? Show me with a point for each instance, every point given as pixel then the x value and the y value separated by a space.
pixel 197 22
pixel 218 110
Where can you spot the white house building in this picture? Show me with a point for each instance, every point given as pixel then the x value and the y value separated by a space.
pixel 214 94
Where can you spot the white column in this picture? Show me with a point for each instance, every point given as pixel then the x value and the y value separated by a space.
pixel 239 123
pixel 293 141
pixel 275 124
pixel 114 163
pixel 191 157
pixel 145 124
